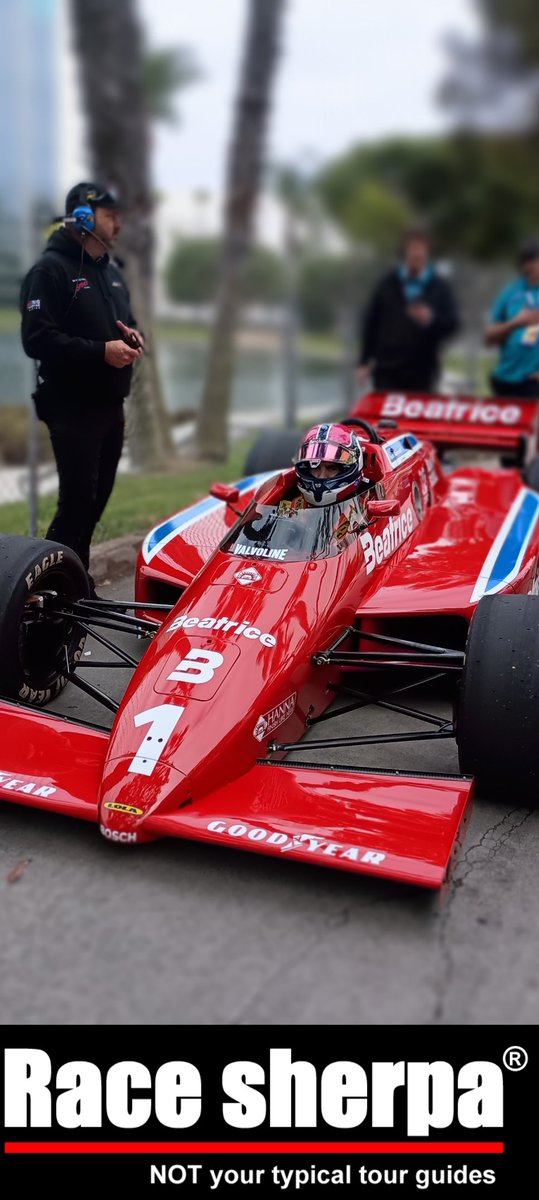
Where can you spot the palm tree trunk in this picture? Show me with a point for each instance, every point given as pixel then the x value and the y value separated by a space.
pixel 244 172
pixel 109 45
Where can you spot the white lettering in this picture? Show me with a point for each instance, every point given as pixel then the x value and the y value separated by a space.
pixel 451 410
pixel 223 625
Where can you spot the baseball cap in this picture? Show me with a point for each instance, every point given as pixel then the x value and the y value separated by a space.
pixel 94 194
pixel 528 250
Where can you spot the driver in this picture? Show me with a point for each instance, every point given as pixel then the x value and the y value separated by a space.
pixel 329 465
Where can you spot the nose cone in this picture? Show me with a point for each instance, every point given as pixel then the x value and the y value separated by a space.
pixel 128 798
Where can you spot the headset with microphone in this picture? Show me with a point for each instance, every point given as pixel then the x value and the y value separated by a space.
pixel 82 217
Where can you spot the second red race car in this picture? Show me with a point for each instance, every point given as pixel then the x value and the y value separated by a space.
pixel 259 614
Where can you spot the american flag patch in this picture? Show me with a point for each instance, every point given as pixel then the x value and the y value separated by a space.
pixel 33 304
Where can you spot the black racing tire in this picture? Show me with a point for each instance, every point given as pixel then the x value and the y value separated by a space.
pixel 34 642
pixel 272 451
pixel 531 474
pixel 498 704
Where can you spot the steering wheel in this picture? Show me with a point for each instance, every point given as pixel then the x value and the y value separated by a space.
pixel 369 429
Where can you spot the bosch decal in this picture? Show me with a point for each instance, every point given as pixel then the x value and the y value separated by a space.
pixel 117 835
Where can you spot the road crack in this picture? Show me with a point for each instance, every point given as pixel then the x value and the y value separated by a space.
pixel 480 854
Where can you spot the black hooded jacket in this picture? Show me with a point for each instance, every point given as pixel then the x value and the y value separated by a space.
pixel 70 304
pixel 394 341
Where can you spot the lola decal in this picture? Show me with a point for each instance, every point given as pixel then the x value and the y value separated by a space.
pixel 301 841
pixel 276 716
pixel 223 625
pixel 384 544
pixel 123 808
pixel 451 410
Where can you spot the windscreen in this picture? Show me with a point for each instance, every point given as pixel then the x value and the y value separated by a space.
pixel 294 533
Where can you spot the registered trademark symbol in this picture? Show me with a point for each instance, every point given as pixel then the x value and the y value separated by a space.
pixel 515 1058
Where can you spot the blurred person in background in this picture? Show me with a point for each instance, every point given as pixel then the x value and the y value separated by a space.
pixel 514 327
pixel 410 314
pixel 78 325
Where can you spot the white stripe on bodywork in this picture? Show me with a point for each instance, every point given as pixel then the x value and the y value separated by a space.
pixel 482 586
pixel 183 520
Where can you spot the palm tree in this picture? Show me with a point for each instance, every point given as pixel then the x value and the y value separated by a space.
pixel 244 172
pixel 122 88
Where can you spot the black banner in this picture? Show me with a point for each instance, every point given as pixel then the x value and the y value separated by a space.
pixel 281 1111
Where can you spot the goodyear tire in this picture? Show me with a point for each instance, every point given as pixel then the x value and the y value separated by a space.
pixel 531 474
pixel 498 707
pixel 34 642
pixel 272 451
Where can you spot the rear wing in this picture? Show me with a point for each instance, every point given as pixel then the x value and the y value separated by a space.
pixel 508 425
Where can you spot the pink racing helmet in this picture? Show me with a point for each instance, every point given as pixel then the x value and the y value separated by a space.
pixel 334 444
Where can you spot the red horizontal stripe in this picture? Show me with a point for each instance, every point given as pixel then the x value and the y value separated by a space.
pixel 184 1148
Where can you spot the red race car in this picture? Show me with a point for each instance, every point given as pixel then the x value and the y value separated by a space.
pixel 259 614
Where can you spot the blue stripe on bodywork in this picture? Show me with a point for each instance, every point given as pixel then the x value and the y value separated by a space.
pixel 514 542
pixel 172 524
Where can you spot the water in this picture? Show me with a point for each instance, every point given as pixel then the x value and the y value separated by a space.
pixel 258 384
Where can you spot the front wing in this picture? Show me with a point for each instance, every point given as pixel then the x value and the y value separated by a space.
pixel 390 824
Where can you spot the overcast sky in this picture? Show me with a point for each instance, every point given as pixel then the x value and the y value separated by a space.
pixel 350 70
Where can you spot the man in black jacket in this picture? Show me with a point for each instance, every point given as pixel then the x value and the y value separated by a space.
pixel 411 312
pixel 77 322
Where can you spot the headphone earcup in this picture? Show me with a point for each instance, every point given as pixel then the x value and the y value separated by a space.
pixel 83 218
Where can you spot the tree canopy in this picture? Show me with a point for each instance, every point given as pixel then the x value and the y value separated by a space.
pixel 476 191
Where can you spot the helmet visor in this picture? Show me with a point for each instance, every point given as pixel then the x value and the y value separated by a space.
pixel 328 451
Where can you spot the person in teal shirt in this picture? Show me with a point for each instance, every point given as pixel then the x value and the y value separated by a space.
pixel 514 327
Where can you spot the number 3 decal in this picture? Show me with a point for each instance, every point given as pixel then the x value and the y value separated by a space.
pixel 198 666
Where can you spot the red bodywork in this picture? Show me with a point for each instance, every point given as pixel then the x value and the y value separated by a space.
pixel 238 663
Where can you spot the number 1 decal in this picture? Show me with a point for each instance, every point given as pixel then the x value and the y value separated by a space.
pixel 162 721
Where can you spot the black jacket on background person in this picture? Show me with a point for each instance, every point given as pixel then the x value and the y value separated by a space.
pixel 405 353
pixel 70 303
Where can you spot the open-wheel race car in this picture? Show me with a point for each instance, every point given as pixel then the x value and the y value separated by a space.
pixel 259 614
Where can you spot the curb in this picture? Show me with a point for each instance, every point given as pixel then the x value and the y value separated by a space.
pixel 110 560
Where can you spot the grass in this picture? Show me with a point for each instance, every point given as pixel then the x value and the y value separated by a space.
pixel 10 320
pixel 138 501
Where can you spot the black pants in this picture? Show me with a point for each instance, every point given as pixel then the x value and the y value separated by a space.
pixel 87 451
pixel 527 388
pixel 385 380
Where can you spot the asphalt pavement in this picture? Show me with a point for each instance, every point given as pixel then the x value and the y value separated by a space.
pixel 185 933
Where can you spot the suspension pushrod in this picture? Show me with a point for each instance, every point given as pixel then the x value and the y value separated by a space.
pixel 126 623
pixel 395 641
pixel 131 662
pixel 365 701
pixel 90 690
pixel 128 604
pixel 328 743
